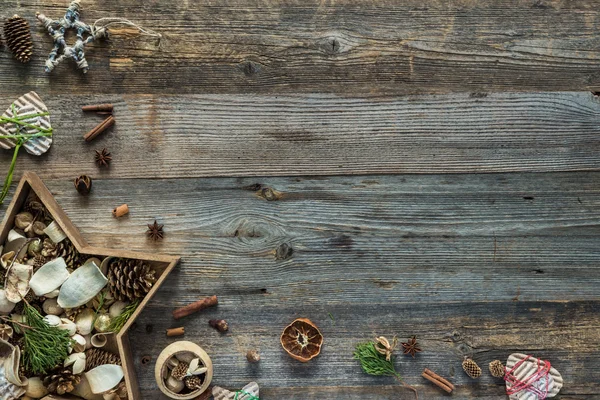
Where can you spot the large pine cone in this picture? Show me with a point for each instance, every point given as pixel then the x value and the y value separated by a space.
pixel 61 382
pixel 130 279
pixel 95 357
pixel 18 38
pixel 64 249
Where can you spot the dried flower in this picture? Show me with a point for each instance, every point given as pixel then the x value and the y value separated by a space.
pixel 252 356
pixel 83 184
pixel 411 347
pixel 471 368
pixel 6 331
pixel 155 231
pixel 219 324
pixel 497 369
pixel 103 158
pixel 383 346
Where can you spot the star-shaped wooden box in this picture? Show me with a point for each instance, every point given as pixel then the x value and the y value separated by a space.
pixel 162 264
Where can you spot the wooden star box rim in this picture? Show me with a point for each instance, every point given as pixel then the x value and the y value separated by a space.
pixel 31 182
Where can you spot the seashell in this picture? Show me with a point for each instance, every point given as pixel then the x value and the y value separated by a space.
pixel 117 308
pixel 23 220
pixel 6 331
pixel 102 322
pixel 68 325
pixel 52 320
pixel 49 277
pixel 172 363
pixel 55 233
pixel 80 343
pixel 51 307
pixel 84 391
pixel 17 282
pixel 14 235
pixel 77 360
pixel 19 246
pixel 99 340
pixel 104 377
pixel 250 391
pixel 35 388
pixel 81 286
pixel 10 358
pixel 6 306
pixel 174 385
pixel 52 295
pixel 553 382
pixel 85 321
pixel 7 259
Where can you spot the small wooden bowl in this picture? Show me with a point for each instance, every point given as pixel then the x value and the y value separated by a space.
pixel 161 370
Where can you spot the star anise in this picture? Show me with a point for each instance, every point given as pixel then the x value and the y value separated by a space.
pixel 411 347
pixel 103 158
pixel 155 231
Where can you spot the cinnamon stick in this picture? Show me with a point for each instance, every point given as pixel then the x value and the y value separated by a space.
pixel 176 331
pixel 104 125
pixel 98 107
pixel 195 307
pixel 438 380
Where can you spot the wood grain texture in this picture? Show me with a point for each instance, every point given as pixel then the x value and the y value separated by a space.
pixel 248 135
pixel 472 264
pixel 348 46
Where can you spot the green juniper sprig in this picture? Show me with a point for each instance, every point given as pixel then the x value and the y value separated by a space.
pixel 44 346
pixel 119 322
pixel 375 363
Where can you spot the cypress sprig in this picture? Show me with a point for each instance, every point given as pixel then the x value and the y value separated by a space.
pixel 372 362
pixel 119 322
pixel 44 346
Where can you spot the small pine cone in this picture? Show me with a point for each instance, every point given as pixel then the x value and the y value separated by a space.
pixel 39 261
pixel 471 368
pixel 192 382
pixel 130 279
pixel 18 38
pixel 61 382
pixel 95 357
pixel 497 369
pixel 180 371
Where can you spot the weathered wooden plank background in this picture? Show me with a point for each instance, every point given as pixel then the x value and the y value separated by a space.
pixel 382 167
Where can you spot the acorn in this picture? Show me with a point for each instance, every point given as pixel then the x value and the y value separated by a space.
pixel 219 324
pixel 252 356
pixel 83 184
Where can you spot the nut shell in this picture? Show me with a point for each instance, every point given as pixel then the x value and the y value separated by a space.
pixel 302 340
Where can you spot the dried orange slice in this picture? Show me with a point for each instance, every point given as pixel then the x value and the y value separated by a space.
pixel 302 340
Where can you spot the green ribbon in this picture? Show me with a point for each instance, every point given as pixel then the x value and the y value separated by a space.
pixel 21 139
pixel 243 392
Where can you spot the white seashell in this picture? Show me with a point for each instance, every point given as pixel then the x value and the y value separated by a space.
pixel 52 295
pixel 85 321
pixel 52 320
pixel 81 286
pixel 55 233
pixel 35 388
pixel 84 391
pixel 68 325
pixel 77 360
pixel 117 308
pixel 104 377
pixel 247 392
pixel 99 340
pixel 6 306
pixel 17 282
pixel 174 385
pixel 14 235
pixel 553 382
pixel 7 259
pixel 185 357
pixel 80 343
pixel 10 358
pixel 49 277
pixel 51 307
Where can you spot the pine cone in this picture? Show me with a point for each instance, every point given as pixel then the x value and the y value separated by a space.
pixel 39 261
pixel 497 369
pixel 18 38
pixel 192 382
pixel 180 371
pixel 61 382
pixel 130 279
pixel 64 249
pixel 95 357
pixel 471 368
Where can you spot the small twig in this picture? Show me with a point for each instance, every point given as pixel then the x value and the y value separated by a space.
pixel 22 325
pixel 406 385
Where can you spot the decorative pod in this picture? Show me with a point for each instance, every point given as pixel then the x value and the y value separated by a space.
pixel 183 370
pixel 83 184
pixel 497 369
pixel 302 340
pixel 18 38
pixel 471 368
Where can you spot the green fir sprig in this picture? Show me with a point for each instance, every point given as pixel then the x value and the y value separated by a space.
pixel 119 322
pixel 375 363
pixel 44 346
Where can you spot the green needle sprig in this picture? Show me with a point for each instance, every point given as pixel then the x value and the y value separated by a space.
pixel 374 363
pixel 119 322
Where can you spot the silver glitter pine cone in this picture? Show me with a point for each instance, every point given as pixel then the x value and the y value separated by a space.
pixel 18 38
